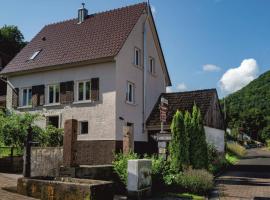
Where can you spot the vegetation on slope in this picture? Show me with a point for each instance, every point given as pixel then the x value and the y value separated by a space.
pixel 248 109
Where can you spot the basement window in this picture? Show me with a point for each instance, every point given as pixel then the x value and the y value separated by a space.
pixel 83 125
pixel 34 55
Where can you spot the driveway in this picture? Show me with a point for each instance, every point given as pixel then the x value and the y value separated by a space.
pixel 249 179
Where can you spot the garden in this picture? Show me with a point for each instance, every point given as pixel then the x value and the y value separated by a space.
pixel 14 128
pixel 192 164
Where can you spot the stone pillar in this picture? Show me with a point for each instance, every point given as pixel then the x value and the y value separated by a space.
pixel 128 140
pixel 70 138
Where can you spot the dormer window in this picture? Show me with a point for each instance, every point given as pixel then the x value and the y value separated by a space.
pixel 34 55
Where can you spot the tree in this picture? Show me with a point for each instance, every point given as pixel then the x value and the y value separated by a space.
pixel 197 146
pixel 179 144
pixel 11 40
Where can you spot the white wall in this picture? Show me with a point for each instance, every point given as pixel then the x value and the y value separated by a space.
pixel 127 71
pixel 100 115
pixel 216 137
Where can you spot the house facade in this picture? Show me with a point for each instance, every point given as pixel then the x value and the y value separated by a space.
pixel 105 70
pixel 208 103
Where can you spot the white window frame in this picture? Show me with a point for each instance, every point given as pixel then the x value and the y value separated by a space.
pixel 28 104
pixel 152 65
pixel 128 93
pixel 54 94
pixel 84 91
pixel 80 127
pixel 136 49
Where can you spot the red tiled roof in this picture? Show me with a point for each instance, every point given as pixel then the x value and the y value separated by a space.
pixel 101 35
pixel 182 101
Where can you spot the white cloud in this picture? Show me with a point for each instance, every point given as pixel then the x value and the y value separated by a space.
pixel 181 87
pixel 211 68
pixel 169 90
pixel 236 78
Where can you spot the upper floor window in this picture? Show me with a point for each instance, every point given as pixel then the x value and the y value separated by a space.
pixel 152 65
pixel 53 93
pixel 27 97
pixel 130 93
pixel 137 56
pixel 84 90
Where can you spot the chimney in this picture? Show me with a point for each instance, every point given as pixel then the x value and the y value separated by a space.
pixel 82 14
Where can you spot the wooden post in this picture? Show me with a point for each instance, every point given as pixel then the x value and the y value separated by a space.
pixel 70 139
pixel 128 140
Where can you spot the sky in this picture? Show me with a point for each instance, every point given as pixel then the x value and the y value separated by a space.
pixel 221 44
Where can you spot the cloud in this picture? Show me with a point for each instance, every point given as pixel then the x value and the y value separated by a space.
pixel 211 68
pixel 236 78
pixel 181 87
pixel 169 90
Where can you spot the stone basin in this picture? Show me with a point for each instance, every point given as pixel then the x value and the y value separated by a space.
pixel 65 188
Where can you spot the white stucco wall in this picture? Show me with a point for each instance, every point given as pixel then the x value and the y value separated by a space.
pixel 127 71
pixel 100 115
pixel 216 137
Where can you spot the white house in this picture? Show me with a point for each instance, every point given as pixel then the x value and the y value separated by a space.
pixel 105 70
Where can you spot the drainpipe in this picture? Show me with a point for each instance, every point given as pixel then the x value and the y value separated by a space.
pixel 144 65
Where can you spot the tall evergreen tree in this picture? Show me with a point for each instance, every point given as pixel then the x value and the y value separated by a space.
pixel 198 146
pixel 179 145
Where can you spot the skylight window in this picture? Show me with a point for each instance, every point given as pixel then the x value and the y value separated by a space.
pixel 34 55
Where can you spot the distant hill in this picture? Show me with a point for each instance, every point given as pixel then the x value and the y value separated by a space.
pixel 249 108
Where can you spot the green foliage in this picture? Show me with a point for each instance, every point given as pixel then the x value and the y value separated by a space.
pixel 268 143
pixel 249 107
pixel 14 129
pixel 265 133
pixel 120 164
pixel 197 145
pixel 198 181
pixel 12 41
pixel 51 136
pixel 231 159
pixel 236 149
pixel 178 147
pixel 216 162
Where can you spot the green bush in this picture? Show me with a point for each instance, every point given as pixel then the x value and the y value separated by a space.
pixel 198 181
pixel 120 164
pixel 236 149
pixel 268 143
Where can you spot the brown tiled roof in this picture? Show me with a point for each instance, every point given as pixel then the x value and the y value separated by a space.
pixel 182 101
pixel 101 35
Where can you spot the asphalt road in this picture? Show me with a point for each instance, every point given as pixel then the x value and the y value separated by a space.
pixel 249 179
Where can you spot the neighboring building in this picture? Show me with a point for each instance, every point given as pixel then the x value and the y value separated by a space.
pixel 104 70
pixel 206 100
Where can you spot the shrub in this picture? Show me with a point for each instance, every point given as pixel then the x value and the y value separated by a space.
pixel 236 149
pixel 120 164
pixel 268 143
pixel 198 181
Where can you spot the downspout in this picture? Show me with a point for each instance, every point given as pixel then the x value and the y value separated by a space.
pixel 144 67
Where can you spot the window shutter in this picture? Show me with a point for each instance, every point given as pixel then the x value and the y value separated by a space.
pixel 94 89
pixel 15 98
pixel 67 92
pixel 38 95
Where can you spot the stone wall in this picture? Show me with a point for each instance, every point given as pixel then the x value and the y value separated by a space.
pixel 46 161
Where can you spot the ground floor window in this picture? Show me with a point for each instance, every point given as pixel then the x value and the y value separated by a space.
pixel 83 127
pixel 53 121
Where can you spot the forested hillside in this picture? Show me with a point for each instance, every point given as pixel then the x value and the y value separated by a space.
pixel 248 109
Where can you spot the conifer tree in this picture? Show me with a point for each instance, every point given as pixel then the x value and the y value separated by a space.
pixel 197 146
pixel 179 144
